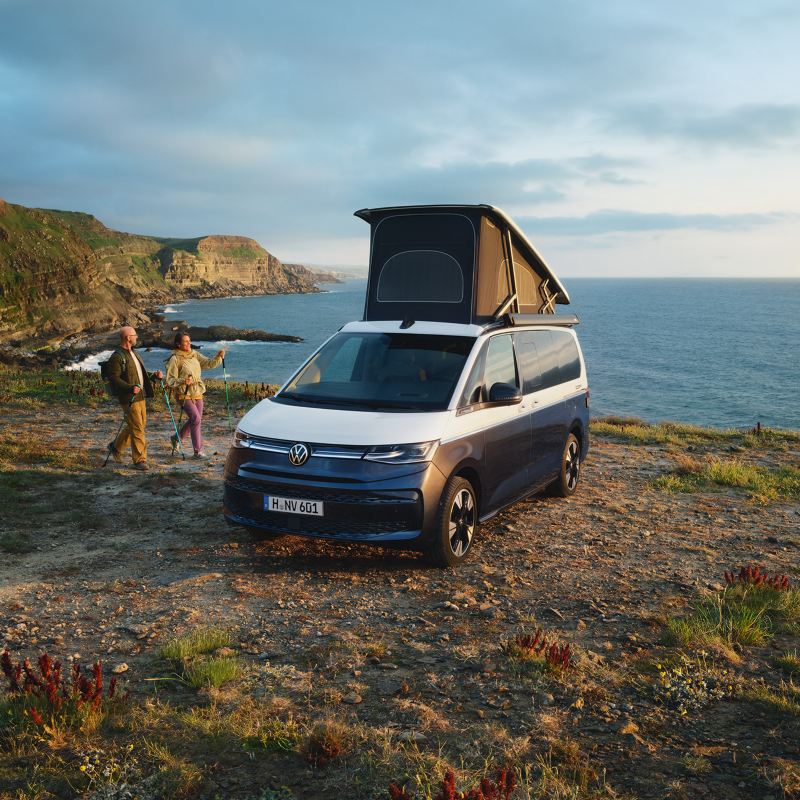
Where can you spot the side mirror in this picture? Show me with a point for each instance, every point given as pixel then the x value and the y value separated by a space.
pixel 504 394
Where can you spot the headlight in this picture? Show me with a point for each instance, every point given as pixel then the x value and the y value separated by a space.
pixel 402 453
pixel 241 439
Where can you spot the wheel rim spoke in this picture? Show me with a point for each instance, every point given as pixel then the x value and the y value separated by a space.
pixel 462 522
pixel 572 465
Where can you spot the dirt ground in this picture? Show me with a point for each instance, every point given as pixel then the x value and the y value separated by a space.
pixel 391 647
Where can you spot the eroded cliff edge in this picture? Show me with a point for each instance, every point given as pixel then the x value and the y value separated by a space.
pixel 64 273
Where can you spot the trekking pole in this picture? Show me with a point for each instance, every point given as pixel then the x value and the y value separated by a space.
pixel 227 400
pixel 172 417
pixel 119 430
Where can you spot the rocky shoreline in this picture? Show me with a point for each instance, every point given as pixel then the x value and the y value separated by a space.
pixel 159 333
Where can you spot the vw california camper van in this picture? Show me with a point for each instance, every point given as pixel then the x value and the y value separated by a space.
pixel 460 392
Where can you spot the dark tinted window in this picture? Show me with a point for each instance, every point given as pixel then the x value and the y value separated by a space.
pixel 421 276
pixel 547 350
pixel 558 358
pixel 567 353
pixel 528 361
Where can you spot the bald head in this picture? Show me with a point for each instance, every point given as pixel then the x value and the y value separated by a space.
pixel 127 337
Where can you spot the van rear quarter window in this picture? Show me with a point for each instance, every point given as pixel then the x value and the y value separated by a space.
pixel 546 358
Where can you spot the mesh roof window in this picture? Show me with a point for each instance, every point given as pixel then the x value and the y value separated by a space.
pixel 421 276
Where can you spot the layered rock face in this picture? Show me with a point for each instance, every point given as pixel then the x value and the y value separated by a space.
pixel 236 263
pixel 64 273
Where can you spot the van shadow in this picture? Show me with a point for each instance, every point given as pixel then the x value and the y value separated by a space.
pixel 294 554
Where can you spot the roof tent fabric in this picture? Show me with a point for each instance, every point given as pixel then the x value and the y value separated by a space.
pixel 461 264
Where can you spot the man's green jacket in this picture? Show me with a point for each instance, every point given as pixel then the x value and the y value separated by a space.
pixel 122 376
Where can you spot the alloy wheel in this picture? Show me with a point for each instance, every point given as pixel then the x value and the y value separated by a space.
pixel 462 522
pixel 572 465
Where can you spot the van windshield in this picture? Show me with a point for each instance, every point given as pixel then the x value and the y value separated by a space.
pixel 404 371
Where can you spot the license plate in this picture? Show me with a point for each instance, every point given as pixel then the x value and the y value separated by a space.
pixel 291 505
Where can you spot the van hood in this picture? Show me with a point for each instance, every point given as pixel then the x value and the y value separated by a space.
pixel 342 426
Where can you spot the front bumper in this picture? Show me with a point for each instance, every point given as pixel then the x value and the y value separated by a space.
pixel 363 501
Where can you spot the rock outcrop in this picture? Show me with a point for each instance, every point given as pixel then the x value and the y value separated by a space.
pixel 64 273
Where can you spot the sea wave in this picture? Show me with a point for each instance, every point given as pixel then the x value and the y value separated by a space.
pixel 90 363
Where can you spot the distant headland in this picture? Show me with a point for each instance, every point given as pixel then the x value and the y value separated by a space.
pixel 66 279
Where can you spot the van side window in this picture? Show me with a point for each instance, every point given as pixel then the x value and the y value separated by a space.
pixel 500 364
pixel 559 361
pixel 568 359
pixel 473 388
pixel 548 358
pixel 528 360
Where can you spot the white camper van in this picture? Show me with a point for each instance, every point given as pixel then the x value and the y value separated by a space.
pixel 460 392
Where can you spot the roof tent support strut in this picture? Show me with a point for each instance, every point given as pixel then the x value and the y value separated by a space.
pixel 512 278
pixel 548 306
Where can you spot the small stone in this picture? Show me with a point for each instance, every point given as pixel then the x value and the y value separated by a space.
pixel 120 668
pixel 385 665
pixel 414 737
pixel 545 698
pixel 352 699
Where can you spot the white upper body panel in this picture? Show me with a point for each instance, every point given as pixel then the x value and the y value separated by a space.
pixel 342 426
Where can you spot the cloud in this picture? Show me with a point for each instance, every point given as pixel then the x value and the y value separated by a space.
pixel 609 221
pixel 748 125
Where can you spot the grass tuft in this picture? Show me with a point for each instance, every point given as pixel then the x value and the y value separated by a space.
pixel 204 672
pixel 790 663
pixel 762 484
pixel 739 615
pixel 196 643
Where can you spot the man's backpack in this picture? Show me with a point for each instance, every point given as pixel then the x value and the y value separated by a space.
pixel 106 375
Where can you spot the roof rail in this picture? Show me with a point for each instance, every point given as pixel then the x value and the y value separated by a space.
pixel 562 320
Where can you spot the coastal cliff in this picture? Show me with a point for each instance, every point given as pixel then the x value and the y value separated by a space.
pixel 64 273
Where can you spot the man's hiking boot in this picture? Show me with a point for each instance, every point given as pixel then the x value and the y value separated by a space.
pixel 117 456
pixel 143 466
pixel 175 442
pixel 200 454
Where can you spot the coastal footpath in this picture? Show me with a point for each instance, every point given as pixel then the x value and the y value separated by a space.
pixel 65 277
pixel 301 669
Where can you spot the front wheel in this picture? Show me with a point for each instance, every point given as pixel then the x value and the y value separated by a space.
pixel 567 481
pixel 456 523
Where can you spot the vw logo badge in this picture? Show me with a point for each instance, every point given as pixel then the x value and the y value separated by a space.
pixel 298 455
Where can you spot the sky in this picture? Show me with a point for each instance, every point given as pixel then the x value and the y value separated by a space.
pixel 626 138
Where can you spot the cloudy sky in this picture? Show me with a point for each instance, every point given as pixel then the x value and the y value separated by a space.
pixel 626 138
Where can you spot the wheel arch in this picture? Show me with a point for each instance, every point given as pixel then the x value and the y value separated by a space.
pixel 470 473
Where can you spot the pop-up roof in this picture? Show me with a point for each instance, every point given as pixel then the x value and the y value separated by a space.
pixel 467 264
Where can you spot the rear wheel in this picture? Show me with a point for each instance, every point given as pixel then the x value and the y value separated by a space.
pixel 567 481
pixel 456 523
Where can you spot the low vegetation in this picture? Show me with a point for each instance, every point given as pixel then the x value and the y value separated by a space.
pixel 761 484
pixel 742 614
pixel 635 430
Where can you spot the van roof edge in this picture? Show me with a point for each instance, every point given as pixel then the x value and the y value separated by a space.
pixel 528 249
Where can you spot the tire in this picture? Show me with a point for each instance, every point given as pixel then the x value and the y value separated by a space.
pixel 456 524
pixel 567 481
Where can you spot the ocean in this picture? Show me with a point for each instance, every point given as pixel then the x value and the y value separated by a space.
pixel 708 352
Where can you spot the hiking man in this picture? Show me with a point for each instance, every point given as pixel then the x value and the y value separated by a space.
pixel 131 384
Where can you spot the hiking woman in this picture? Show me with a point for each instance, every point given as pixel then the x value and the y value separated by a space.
pixel 184 379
